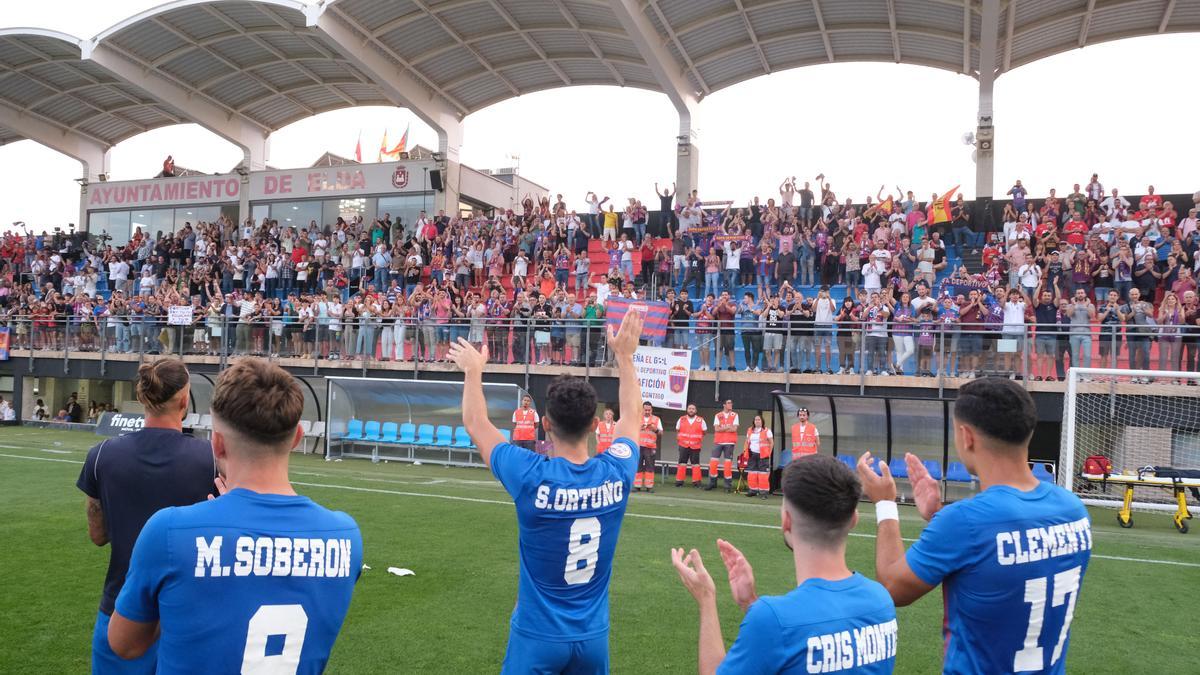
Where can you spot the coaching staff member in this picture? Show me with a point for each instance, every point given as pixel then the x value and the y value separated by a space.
pixel 127 479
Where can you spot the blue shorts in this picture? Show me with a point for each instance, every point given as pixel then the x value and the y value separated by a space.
pixel 538 657
pixel 105 661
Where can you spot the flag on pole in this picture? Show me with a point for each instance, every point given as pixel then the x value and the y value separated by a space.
pixel 394 153
pixel 657 313
pixel 382 147
pixel 939 210
pixel 358 149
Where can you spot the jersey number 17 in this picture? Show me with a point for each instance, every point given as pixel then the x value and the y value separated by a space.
pixel 1066 589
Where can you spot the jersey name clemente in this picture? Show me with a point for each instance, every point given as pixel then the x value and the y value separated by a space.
pixel 1017 547
pixel 579 499
pixel 850 649
pixel 274 557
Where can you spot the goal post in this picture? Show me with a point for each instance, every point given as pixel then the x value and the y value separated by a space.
pixel 1134 419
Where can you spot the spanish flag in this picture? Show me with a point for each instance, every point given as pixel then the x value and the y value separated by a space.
pixel 939 210
pixel 883 208
pixel 382 147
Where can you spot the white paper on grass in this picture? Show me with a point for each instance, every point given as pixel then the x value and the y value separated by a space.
pixel 401 572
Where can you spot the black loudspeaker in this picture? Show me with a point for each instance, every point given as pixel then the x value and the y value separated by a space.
pixel 435 179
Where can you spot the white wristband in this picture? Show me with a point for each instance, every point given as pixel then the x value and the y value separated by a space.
pixel 886 510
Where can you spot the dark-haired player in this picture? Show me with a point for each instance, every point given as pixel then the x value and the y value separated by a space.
pixel 258 580
pixel 834 620
pixel 1010 559
pixel 128 479
pixel 569 510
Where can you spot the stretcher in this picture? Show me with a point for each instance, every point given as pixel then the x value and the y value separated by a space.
pixel 1179 486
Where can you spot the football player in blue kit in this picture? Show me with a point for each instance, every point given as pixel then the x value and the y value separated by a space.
pixel 834 620
pixel 1010 559
pixel 257 580
pixel 569 510
pixel 129 478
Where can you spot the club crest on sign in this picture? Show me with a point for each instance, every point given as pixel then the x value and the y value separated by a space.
pixel 400 178
pixel 677 378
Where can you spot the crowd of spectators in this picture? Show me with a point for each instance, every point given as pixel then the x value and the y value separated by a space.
pixel 808 282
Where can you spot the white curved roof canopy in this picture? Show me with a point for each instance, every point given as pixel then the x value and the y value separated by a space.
pixel 43 76
pixel 268 63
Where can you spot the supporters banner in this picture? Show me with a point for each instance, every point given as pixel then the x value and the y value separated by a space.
pixel 4 334
pixel 119 424
pixel 179 315
pixel 664 375
pixel 657 313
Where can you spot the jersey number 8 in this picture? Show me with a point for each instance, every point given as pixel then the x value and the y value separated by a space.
pixel 580 551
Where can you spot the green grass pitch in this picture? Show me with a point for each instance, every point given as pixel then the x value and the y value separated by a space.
pixel 457 530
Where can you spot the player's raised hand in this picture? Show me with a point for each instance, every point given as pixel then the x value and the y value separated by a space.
pixel 693 575
pixel 465 356
pixel 876 487
pixel 741 575
pixel 926 493
pixel 624 342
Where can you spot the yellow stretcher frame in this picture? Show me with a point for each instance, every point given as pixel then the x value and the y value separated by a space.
pixel 1179 486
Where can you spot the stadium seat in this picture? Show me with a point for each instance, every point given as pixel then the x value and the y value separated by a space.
pixel 205 422
pixel 389 433
pixel 957 473
pixel 1042 473
pixel 371 431
pixel 424 435
pixel 507 434
pixel 898 468
pixel 934 468
pixel 408 434
pixel 192 420
pixel 354 430
pixel 848 461
pixel 462 439
pixel 445 436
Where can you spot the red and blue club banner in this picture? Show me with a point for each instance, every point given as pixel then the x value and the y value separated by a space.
pixel 657 315
pixel 4 336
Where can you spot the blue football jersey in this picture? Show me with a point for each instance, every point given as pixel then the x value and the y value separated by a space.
pixel 243 582
pixel 568 516
pixel 821 626
pixel 1010 564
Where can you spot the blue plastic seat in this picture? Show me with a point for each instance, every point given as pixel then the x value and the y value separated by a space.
pixel 445 436
pixel 408 433
pixel 847 460
pixel 957 473
pixel 462 439
pixel 1042 473
pixel 507 434
pixel 898 468
pixel 389 433
pixel 371 431
pixel 934 468
pixel 424 435
pixel 354 430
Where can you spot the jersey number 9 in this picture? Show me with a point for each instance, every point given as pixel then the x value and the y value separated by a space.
pixel 289 621
pixel 581 551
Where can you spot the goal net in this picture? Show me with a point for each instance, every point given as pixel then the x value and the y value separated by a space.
pixel 1133 419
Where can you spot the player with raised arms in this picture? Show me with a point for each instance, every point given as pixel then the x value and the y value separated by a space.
pixel 257 580
pixel 129 478
pixel 1010 559
pixel 569 510
pixel 834 620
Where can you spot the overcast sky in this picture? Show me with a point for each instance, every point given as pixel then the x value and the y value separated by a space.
pixel 1126 109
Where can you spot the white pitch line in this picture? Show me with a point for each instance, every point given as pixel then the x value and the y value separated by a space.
pixel 632 515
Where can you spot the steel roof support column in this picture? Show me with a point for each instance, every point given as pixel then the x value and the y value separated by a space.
pixel 93 156
pixel 674 84
pixel 984 132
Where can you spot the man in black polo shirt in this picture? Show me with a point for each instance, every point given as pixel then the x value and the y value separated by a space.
pixel 74 410
pixel 130 478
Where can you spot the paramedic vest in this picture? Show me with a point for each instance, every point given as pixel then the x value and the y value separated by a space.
pixel 726 437
pixel 690 434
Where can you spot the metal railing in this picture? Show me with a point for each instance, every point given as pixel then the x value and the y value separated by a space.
pixel 853 351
